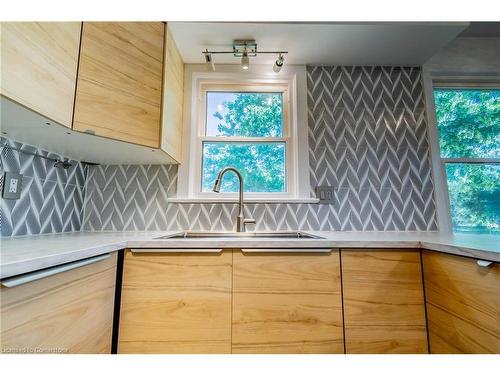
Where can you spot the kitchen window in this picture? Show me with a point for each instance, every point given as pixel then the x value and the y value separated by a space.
pixel 245 125
pixel 468 124
pixel 246 128
pixel 255 121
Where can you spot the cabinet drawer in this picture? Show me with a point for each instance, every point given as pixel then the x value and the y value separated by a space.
pixel 69 312
pixel 176 303
pixel 384 308
pixel 463 304
pixel 287 303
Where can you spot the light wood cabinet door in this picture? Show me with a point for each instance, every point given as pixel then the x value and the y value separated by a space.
pixel 70 312
pixel 39 65
pixel 119 87
pixel 463 304
pixel 384 308
pixel 173 99
pixel 176 303
pixel 287 303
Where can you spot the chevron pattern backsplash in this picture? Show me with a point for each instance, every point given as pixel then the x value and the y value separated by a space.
pixel 51 198
pixel 130 197
pixel 367 138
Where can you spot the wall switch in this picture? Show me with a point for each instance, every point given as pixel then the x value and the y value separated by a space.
pixel 12 185
pixel 326 194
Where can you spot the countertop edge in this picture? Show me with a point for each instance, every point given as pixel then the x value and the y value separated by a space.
pixel 461 250
pixel 37 263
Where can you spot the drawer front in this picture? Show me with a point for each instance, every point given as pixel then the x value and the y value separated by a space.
pixel 287 303
pixel 384 308
pixel 69 312
pixel 463 304
pixel 176 303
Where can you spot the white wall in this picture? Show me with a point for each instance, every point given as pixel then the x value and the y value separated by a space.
pixel 471 56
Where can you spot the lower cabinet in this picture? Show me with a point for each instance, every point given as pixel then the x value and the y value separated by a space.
pixel 67 312
pixel 257 301
pixel 463 304
pixel 383 297
pixel 286 303
pixel 176 302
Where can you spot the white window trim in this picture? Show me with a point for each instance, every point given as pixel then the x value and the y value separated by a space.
pixel 432 80
pixel 298 181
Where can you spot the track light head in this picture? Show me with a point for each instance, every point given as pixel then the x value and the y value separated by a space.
pixel 209 61
pixel 279 63
pixel 245 61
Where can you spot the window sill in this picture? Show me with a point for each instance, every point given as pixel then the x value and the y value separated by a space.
pixel 247 200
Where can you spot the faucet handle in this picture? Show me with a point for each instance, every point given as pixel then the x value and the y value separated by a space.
pixel 248 220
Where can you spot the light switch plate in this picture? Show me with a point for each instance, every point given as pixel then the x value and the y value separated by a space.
pixel 326 194
pixel 12 185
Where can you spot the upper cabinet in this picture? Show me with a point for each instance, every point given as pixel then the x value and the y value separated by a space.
pixel 119 88
pixel 173 98
pixel 39 65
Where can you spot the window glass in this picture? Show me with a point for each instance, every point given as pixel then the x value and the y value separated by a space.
pixel 262 165
pixel 244 114
pixel 474 191
pixel 468 122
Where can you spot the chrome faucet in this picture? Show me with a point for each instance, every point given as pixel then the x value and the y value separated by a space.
pixel 241 222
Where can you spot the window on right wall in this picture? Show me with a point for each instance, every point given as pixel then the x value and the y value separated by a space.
pixel 468 121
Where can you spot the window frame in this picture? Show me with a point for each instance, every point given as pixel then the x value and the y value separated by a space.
pixel 295 76
pixel 243 87
pixel 440 177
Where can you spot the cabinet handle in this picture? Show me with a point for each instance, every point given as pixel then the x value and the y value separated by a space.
pixel 484 263
pixel 139 251
pixel 290 250
pixel 37 275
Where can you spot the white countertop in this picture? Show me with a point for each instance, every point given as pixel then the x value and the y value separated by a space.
pixel 23 254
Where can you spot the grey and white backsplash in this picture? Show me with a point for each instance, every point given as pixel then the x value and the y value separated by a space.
pixel 51 198
pixel 130 197
pixel 367 139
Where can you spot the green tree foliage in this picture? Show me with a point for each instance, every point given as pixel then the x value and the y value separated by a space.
pixel 469 126
pixel 252 115
pixel 262 164
pixel 468 123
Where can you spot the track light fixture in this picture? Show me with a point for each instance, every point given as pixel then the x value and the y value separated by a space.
pixel 244 49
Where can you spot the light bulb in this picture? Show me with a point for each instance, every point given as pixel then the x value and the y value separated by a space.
pixel 245 61
pixel 209 61
pixel 278 64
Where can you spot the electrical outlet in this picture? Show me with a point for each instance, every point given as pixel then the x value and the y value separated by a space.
pixel 12 185
pixel 326 194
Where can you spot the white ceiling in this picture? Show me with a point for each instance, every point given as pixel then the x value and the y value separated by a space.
pixel 319 43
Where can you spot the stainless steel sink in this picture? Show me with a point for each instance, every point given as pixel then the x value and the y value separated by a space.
pixel 188 235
